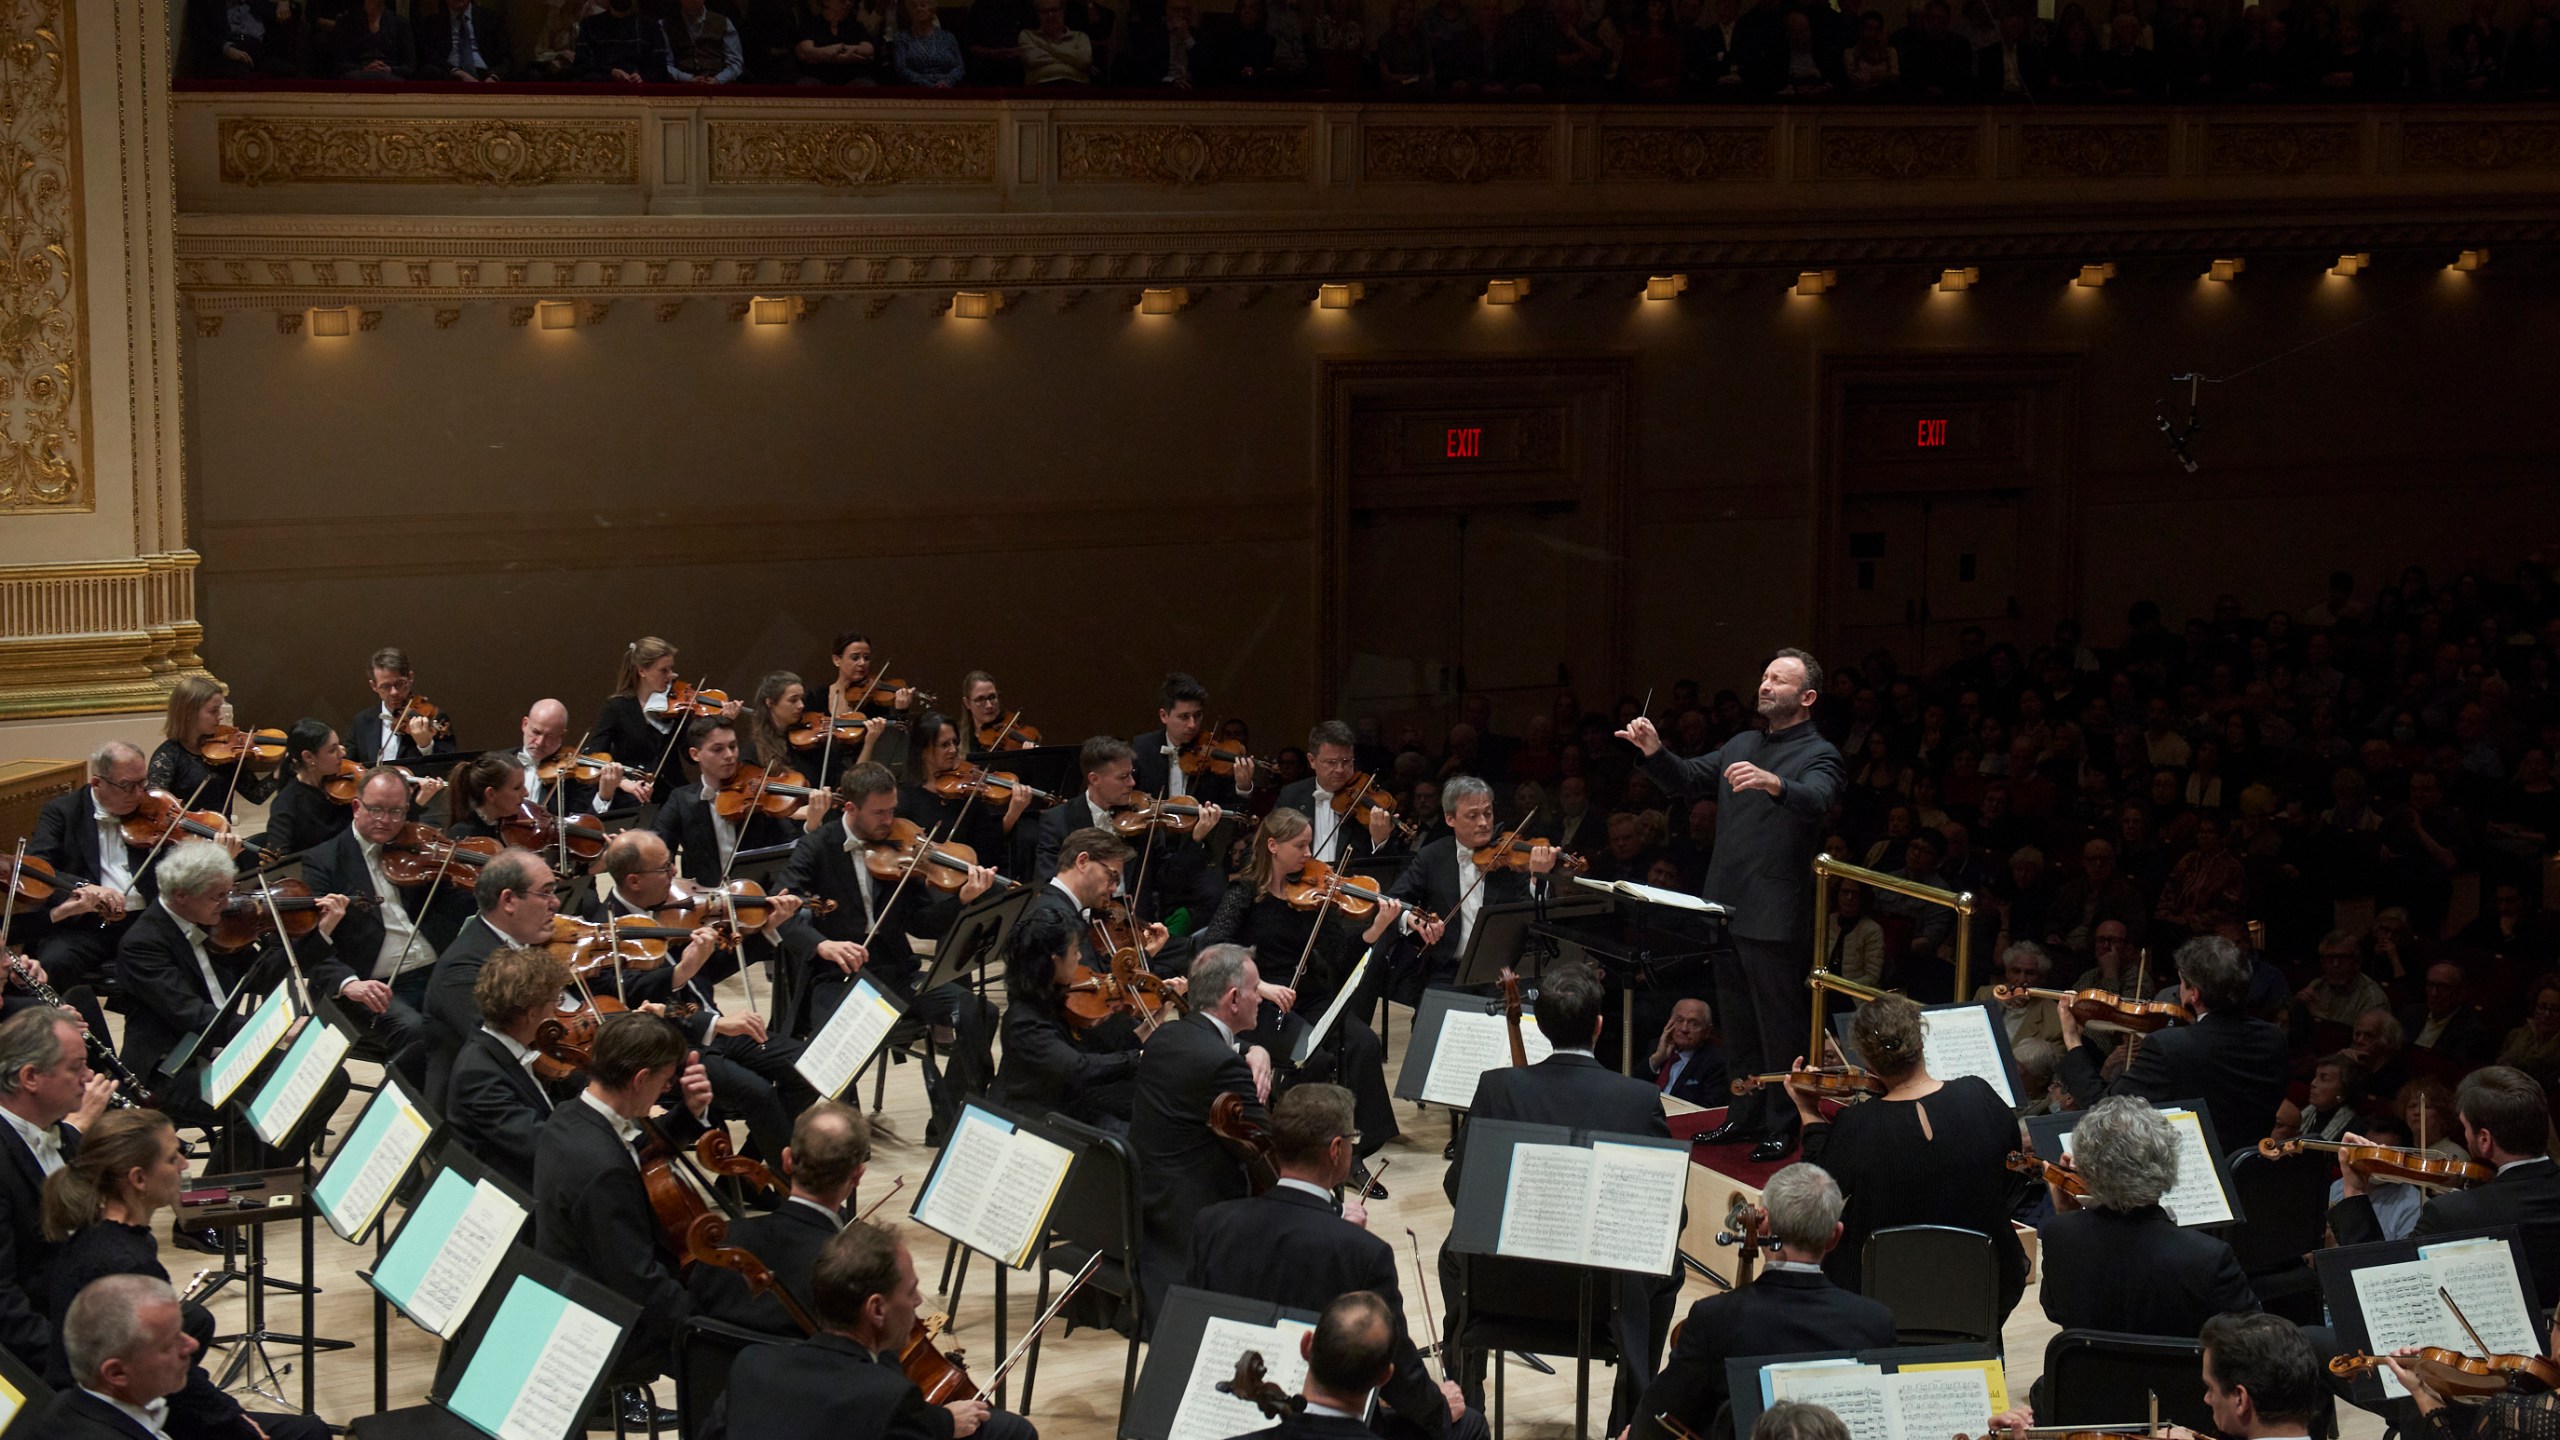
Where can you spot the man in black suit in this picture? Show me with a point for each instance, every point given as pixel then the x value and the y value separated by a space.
pixel 496 1104
pixel 1183 1168
pixel 176 987
pixel 1288 1246
pixel 830 1145
pixel 2115 1260
pixel 591 1208
pixel 702 839
pixel 2506 1125
pixel 1773 790
pixel 868 932
pixel 1332 753
pixel 1442 881
pixel 1791 1308
pixel 1573 1090
pixel 78 833
pixel 595 791
pixel 1092 863
pixel 2446 1022
pixel 1687 1062
pixel 1182 710
pixel 373 738
pixel 1177 869
pixel 393 945
pixel 129 1353
pixel 458 40
pixel 516 899
pixel 48 1095
pixel 1350 1353
pixel 2229 1059
pixel 845 1382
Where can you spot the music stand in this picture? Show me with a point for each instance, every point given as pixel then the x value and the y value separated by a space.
pixel 2046 1133
pixel 1053 768
pixel 33 1399
pixel 467 1382
pixel 464 1169
pixel 1174 1352
pixel 2337 1267
pixel 1501 936
pixel 1742 1372
pixel 927 1192
pixel 976 935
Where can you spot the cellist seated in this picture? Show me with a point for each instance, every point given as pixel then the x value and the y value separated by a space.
pixel 847 1382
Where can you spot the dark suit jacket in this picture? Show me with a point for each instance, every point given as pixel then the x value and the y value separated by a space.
pixel 78 1415
pixel 1316 1427
pixel 787 1241
pixel 2138 1272
pixel 165 992
pixel 1783 1312
pixel 1155 768
pixel 26 1325
pixel 452 1016
pixel 364 736
pixel 1433 881
pixel 497 1107
pixel 2465 1040
pixel 591 1213
pixel 1350 842
pixel 686 823
pixel 435 42
pixel 2527 1197
pixel 67 839
pixel 819 866
pixel 1704 1079
pixel 1183 1169
pixel 2231 1061
pixel 824 1389
pixel 336 867
pixel 1290 1248
pixel 1763 864
pixel 1178 875
pixel 622 729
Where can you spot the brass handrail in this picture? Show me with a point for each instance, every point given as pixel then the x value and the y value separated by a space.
pixel 1823 980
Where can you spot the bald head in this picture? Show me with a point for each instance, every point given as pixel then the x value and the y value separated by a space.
pixel 546 728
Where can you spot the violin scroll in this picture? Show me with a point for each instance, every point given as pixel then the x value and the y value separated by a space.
pixel 1253 1384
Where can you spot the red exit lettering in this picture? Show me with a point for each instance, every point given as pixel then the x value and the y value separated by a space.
pixel 1933 434
pixel 1467 443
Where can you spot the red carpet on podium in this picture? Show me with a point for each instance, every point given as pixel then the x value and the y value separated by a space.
pixel 1732 1160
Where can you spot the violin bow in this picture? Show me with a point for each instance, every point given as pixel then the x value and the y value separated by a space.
pixel 894 1187
pixel 2460 1319
pixel 169 834
pixel 669 752
pixel 930 837
pixel 434 885
pixel 1341 832
pixel 293 962
pixel 1501 845
pixel 1422 1281
pixel 1023 1346
pixel 239 763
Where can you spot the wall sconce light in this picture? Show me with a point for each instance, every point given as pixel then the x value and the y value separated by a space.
pixel 1162 300
pixel 1340 295
pixel 1816 282
pixel 1956 282
pixel 1666 287
pixel 2470 260
pixel 2349 265
pixel 1505 292
pixel 556 315
pixel 2226 269
pixel 331 322
pixel 2093 276
pixel 972 305
pixel 773 309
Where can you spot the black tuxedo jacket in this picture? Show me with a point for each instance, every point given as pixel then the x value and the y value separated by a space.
pixel 78 1415
pixel 26 1325
pixel 1433 881
pixel 787 1241
pixel 686 823
pixel 2138 1272
pixel 336 867
pixel 67 839
pixel 1175 877
pixel 622 730
pixel 1783 1312
pixel 2231 1061
pixel 2527 1197
pixel 165 992
pixel 497 1107
pixel 1348 843
pixel 591 1213
pixel 365 741
pixel 1705 1079
pixel 1183 1169
pixel 819 866
pixel 1303 1426
pixel 452 1016
pixel 1289 1247
pixel 826 1388
pixel 1763 865
pixel 1155 774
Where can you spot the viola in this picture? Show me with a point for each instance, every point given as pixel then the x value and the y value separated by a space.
pixel 707 1243
pixel 2052 1172
pixel 1014 736
pixel 1253 1384
pixel 158 813
pixel 742 898
pixel 684 699
pixel 1515 856
pixel 977 780
pixel 584 767
pixel 536 829
pixel 1248 1139
pixel 777 792
pixel 1142 812
pixel 1218 757
pixel 2105 1009
pixel 349 777
pixel 641 944
pixel 2458 1376
pixel 246 919
pixel 908 850
pixel 34 880
pixel 1363 799
pixel 225 744
pixel 420 854
pixel 566 1037
pixel 1317 885
pixel 813 732
pixel 2430 1168
pixel 1845 1082
pixel 1127 987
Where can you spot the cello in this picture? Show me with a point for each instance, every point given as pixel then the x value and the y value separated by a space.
pixel 1247 1138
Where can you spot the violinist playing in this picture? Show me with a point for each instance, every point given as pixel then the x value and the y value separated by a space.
pixel 1350 1353
pixel 2263 1380
pixel 830 1145
pixel 1093 869
pixel 2506 1125
pixel 1051 1061
pixel 1183 1166
pixel 195 716
pixel 545 728
pixel 301 815
pixel 780 706
pixel 396 730
pixel 1447 891
pixel 1255 912
pixel 752 1075
pixel 487 791
pixel 1339 839
pixel 986 716
pixel 689 819
pixel 2511 1416
pixel 591 1208
pixel 1169 872
pixel 854 671
pixel 988 820
pixel 80 833
pixel 640 722
pixel 1181 736
pixel 495 1101
pixel 2229 1058
pixel 1289 1247
pixel 2115 1260
pixel 393 944
pixel 866 1297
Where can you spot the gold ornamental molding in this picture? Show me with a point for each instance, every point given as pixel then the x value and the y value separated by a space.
pixel 2093 152
pixel 2428 148
pixel 100 637
pixel 841 154
pixel 1182 154
pixel 1902 153
pixel 2282 149
pixel 44 366
pixel 1686 152
pixel 283 149
pixel 1457 154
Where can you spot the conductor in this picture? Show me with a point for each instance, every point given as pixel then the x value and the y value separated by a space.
pixel 1772 789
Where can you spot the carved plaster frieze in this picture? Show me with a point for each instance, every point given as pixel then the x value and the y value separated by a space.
pixel 1686 152
pixel 1901 153
pixel 44 365
pixel 2281 149
pixel 424 150
pixel 848 154
pixel 2427 148
pixel 1182 154
pixel 2093 152
pixel 1457 154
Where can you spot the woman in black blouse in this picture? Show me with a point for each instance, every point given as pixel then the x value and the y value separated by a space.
pixel 987 823
pixel 195 711
pixel 486 792
pixel 1049 1064
pixel 301 815
pixel 637 728
pixel 1929 1152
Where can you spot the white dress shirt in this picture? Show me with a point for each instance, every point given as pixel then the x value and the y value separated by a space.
pixel 115 862
pixel 533 781
pixel 524 1057
pixel 1327 825
pixel 399 932
pixel 393 738
pixel 44 1142
pixel 153 1417
pixel 854 847
pixel 722 826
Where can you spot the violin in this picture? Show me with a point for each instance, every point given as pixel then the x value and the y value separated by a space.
pixel 420 854
pixel 158 813
pixel 1247 1138
pixel 848 729
pixel 246 919
pixel 1363 799
pixel 439 724
pixel 567 1036
pixel 978 780
pixel 1128 987
pixel 34 880
pixel 2052 1172
pixel 1317 885
pixel 2457 1376
pixel 584 767
pixel 1218 757
pixel 908 850
pixel 707 1243
pixel 534 828
pixel 886 686
pixel 2105 1009
pixel 684 699
pixel 642 945
pixel 1843 1082
pixel 777 792
pixel 1515 856
pixel 1253 1384
pixel 1142 812
pixel 2430 1168
pixel 1000 737
pixel 225 744
pixel 342 786
pixel 699 907
pixel 1511 1016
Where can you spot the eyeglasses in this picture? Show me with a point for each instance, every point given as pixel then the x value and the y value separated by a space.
pixel 122 787
pixel 667 869
pixel 386 812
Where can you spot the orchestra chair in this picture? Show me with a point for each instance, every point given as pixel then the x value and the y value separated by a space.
pixel 1097 1213
pixel 1542 1303
pixel 2287 1205
pixel 2104 1377
pixel 705 1351
pixel 1940 1282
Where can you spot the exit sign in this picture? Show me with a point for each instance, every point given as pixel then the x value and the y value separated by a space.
pixel 1466 442
pixel 1933 434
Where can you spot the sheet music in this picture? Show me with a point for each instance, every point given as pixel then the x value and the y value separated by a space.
pixel 1853 1392
pixel 845 1043
pixel 1308 1038
pixel 2401 1306
pixel 1960 1043
pixel 359 1178
pixel 1546 1203
pixel 310 1061
pixel 2481 1274
pixel 2197 1198
pixel 1635 1206
pixel 1651 895
pixel 1205 1414
pixel 472 1249
pixel 1924 1403
pixel 232 1068
pixel 553 1401
pixel 994 1187
pixel 1932 1405
pixel 1472 1042
pixel 12 1400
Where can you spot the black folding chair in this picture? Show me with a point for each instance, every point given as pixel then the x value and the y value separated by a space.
pixel 2287 1202
pixel 705 1350
pixel 1097 1213
pixel 2102 1377
pixel 1941 1283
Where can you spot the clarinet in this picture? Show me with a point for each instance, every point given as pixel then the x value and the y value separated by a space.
pixel 102 1056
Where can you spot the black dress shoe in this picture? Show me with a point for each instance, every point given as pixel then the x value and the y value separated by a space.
pixel 1449 1151
pixel 203 1242
pixel 1769 1152
pixel 1368 1187
pixel 631 1405
pixel 1731 1132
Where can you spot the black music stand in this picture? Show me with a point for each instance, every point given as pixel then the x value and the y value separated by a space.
pixel 1503 933
pixel 1176 1348
pixel 1633 949
pixel 34 1398
pixel 1742 1372
pixel 1040 1128
pixel 1430 1013
pixel 2337 1267
pixel 458 1369
pixel 977 936
pixel 2045 1132
pixel 458 1162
